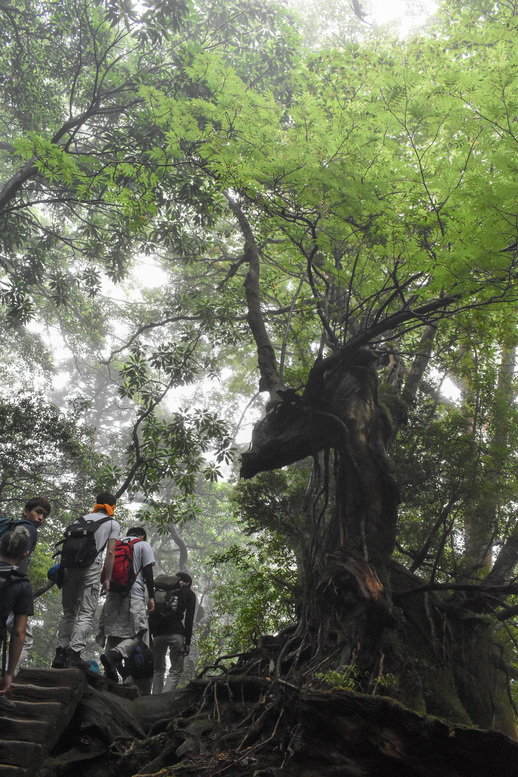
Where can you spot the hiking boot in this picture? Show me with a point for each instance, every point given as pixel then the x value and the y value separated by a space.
pixel 110 660
pixel 74 660
pixel 60 659
pixel 6 705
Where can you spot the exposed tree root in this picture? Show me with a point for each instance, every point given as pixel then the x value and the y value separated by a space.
pixel 238 724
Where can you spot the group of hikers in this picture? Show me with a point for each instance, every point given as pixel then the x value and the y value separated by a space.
pixel 142 619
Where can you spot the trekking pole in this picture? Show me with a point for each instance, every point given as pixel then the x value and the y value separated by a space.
pixel 4 653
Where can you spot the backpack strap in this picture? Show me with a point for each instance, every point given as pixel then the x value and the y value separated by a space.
pixel 9 572
pixel 6 524
pixel 129 541
pixel 92 526
pixel 23 522
pixel 89 527
pixel 17 576
pixel 133 541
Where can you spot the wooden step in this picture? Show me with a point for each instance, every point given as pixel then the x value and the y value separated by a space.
pixel 45 700
pixel 40 711
pixel 38 693
pixel 12 771
pixel 21 754
pixel 29 730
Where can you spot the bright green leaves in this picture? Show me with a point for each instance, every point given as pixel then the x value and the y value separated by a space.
pixel 215 127
pixel 50 160
pixel 253 594
pixel 161 19
pixel 175 448
pixel 18 303
pixel 43 450
pixel 135 374
pixel 81 145
pixel 145 369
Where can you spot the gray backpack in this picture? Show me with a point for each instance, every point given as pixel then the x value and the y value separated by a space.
pixel 169 607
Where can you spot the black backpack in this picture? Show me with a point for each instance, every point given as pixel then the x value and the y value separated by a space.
pixel 78 545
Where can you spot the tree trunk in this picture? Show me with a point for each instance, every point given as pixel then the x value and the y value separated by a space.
pixel 358 609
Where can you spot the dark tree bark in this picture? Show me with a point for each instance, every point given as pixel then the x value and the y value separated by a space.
pixel 444 658
pixel 339 409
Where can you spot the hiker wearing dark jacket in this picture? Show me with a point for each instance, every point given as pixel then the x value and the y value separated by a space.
pixel 34 515
pixel 173 633
pixel 16 597
pixel 81 587
pixel 123 624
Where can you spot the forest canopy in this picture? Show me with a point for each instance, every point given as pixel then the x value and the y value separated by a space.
pixel 209 218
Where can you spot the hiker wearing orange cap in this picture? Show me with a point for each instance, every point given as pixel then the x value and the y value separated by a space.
pixel 80 575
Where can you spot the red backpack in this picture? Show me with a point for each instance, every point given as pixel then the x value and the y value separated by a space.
pixel 123 574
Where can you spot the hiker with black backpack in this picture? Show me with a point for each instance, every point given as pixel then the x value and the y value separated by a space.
pixel 16 597
pixel 80 577
pixel 171 627
pixel 123 626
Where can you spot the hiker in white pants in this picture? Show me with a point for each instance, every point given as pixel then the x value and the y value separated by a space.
pixel 123 624
pixel 82 585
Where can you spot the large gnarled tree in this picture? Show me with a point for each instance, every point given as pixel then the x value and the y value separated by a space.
pixel 375 210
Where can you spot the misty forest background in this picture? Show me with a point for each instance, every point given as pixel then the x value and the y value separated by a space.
pixel 191 188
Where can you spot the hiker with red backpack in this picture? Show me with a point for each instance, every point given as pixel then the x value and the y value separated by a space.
pixel 80 577
pixel 123 626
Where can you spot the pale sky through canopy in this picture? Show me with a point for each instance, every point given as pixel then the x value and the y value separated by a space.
pixel 409 13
